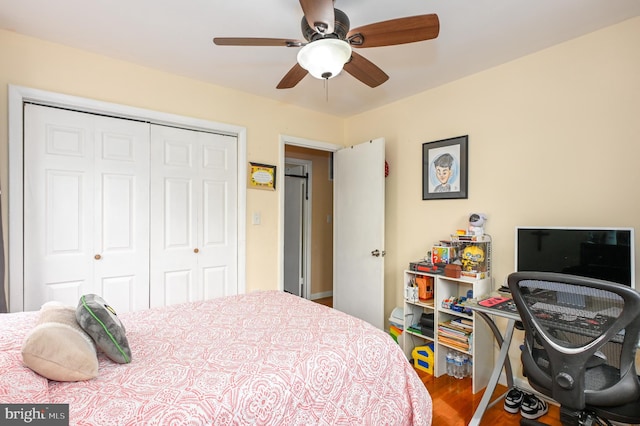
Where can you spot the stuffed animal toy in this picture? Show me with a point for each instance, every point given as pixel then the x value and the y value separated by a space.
pixel 476 223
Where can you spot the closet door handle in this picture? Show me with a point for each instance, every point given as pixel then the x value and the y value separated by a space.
pixel 195 250
pixel 97 257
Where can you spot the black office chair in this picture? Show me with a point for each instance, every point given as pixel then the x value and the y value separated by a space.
pixel 581 336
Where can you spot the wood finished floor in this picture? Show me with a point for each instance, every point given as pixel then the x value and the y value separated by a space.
pixel 454 404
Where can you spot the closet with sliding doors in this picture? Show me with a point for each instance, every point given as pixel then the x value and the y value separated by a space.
pixel 142 214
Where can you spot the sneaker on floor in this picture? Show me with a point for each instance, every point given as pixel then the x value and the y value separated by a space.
pixel 533 407
pixel 513 400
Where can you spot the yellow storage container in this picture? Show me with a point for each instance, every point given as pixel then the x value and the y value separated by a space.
pixel 423 358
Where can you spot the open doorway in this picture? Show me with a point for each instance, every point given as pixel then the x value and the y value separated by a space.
pixel 298 175
pixel 308 222
pixel 353 225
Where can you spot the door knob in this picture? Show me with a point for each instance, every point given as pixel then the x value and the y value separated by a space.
pixel 195 250
pixel 97 257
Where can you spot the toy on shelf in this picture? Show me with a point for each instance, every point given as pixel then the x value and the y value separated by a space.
pixel 423 358
pixel 395 332
pixel 442 254
pixel 473 258
pixel 473 248
pixel 476 223
pixel 425 287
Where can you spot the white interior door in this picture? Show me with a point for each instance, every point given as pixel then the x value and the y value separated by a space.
pixel 358 232
pixel 86 185
pixel 193 223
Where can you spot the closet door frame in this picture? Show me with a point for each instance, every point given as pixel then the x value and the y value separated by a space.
pixel 18 95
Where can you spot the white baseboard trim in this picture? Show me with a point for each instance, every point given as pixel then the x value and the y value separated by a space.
pixel 525 386
pixel 321 295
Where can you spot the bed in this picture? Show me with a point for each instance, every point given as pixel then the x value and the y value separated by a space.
pixel 264 358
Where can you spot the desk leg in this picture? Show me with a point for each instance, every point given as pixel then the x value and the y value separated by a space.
pixel 497 369
pixel 496 333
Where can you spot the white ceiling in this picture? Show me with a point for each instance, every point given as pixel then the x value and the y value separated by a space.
pixel 176 36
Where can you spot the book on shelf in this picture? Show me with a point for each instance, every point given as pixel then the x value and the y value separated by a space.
pixel 459 326
pixel 453 343
pixel 462 322
pixel 454 331
pixel 456 334
pixel 413 329
pixel 461 337
pixel 444 337
pixel 464 341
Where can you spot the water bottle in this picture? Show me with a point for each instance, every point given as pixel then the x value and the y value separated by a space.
pixel 465 366
pixel 450 363
pixel 457 370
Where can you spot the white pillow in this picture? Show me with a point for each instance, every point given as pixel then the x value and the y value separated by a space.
pixel 58 348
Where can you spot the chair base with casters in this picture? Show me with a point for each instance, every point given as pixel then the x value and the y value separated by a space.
pixel 571 417
pixel 581 336
pixel 581 417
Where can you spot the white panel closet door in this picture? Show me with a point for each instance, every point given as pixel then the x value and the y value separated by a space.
pixel 193 215
pixel 86 208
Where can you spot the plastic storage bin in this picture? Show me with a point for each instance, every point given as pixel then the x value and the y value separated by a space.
pixel 423 358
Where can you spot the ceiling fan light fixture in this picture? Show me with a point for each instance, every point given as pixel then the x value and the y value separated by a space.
pixel 324 58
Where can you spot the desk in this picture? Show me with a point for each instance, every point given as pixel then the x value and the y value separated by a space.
pixel 503 358
pixel 503 361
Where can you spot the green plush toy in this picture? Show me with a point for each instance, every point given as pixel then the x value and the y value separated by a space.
pixel 100 322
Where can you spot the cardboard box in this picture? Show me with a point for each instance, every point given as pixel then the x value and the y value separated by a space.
pixel 441 254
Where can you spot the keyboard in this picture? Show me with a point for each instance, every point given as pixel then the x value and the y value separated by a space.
pixel 564 310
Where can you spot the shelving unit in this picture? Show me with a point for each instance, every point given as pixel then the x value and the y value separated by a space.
pixel 481 350
pixel 412 313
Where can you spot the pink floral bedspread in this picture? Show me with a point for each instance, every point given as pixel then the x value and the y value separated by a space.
pixel 265 358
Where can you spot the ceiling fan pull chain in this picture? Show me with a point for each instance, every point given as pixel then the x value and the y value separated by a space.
pixel 326 89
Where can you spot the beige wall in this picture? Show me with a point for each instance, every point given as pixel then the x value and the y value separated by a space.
pixel 34 63
pixel 321 208
pixel 554 139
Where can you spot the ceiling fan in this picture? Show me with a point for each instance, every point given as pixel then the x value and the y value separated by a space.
pixel 329 41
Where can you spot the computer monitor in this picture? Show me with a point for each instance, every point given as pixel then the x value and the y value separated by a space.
pixel 603 253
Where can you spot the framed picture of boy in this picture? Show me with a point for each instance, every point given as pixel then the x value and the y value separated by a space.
pixel 444 168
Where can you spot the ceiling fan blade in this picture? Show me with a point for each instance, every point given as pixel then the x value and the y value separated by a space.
pixel 396 31
pixel 256 41
pixel 293 77
pixel 319 15
pixel 365 70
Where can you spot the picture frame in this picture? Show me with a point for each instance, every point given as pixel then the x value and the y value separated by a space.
pixel 262 176
pixel 445 168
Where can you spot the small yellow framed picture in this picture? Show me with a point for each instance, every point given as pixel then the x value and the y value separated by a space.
pixel 262 176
